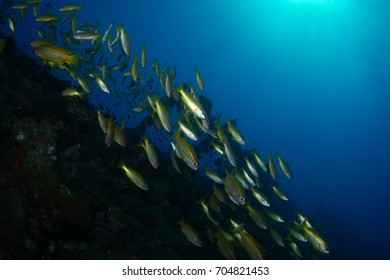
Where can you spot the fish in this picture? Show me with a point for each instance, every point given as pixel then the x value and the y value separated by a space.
pixel 156 67
pixel 271 166
pixel 151 102
pixel 162 84
pixel 55 55
pixel 213 175
pixel 83 83
pixel 257 217
pixel 226 235
pixel 241 177
pixel 274 216
pixel 103 122
pixel 219 194
pixel 163 115
pixel 217 148
pixel 70 91
pixel 235 225
pixel 85 35
pixel 69 7
pixel 194 106
pixel 135 177
pixel 106 33
pixel 71 72
pixel 102 84
pixel 222 135
pixel 251 167
pixel 63 44
pixel 35 10
pixel 187 153
pixel 110 134
pixel 297 234
pixel 260 161
pixel 193 93
pixel 260 197
pixel 303 220
pixel 140 108
pixel 187 130
pixel 73 24
pixel 150 152
pixel 173 74
pixel 143 56
pixel 175 163
pixel 276 236
pixel 125 40
pixel 134 70
pixel 235 133
pixel 23 14
pixel 104 71
pixel 168 85
pixel 215 204
pixel 119 136
pixel 190 233
pixel 225 247
pixel 38 42
pixel 279 193
pixel 229 152
pixel 284 166
pixel 200 125
pixel 248 178
pixel 315 240
pixel 235 190
pixel 206 126
pixel 254 250
pixel 205 209
pixel 11 25
pixel 199 78
pixel 295 248
pixel 46 18
pixel 156 122
pixel 20 6
pixel 116 39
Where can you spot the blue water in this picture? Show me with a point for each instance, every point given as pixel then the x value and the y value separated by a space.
pixel 308 79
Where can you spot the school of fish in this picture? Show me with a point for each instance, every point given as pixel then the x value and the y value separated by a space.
pixel 241 184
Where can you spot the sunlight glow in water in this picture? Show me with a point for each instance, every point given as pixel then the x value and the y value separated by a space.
pixel 309 1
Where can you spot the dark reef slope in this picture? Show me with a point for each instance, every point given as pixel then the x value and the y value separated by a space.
pixel 62 195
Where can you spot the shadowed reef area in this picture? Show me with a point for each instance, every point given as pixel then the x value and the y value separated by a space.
pixel 62 195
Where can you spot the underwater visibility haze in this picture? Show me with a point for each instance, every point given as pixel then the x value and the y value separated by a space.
pixel 173 129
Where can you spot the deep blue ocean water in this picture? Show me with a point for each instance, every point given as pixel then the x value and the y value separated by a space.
pixel 309 79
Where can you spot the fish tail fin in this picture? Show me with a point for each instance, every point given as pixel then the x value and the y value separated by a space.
pixel 217 121
pixel 236 227
pixel 74 60
pixel 201 201
pixel 301 225
pixel 82 94
pixel 180 222
pixel 175 135
pixel 121 164
pixel 141 142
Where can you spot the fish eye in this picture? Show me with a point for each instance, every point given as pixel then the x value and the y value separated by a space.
pixel 195 163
